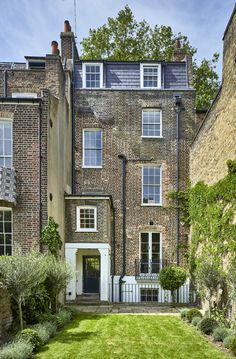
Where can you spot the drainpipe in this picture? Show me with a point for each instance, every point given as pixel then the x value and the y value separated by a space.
pixel 113 254
pixel 73 120
pixel 124 161
pixel 40 176
pixel 178 111
pixel 5 82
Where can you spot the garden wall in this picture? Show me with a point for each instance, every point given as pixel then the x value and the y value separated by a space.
pixel 5 313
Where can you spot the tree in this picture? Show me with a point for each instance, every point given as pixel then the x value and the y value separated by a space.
pixel 20 275
pixel 58 274
pixel 51 237
pixel 209 278
pixel 172 278
pixel 205 81
pixel 124 39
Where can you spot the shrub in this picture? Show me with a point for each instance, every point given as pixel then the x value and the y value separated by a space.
pixel 183 313
pixel 73 310
pixel 31 336
pixel 36 304
pixel 228 340
pixel 194 312
pixel 220 333
pixel 53 318
pixel 172 278
pixel 51 328
pixel 232 345
pixel 196 320
pixel 207 325
pixel 19 349
pixel 65 316
pixel 43 332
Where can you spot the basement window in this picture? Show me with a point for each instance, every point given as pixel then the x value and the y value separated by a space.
pixel 86 219
pixel 149 294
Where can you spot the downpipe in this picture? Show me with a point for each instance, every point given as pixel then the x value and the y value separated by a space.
pixel 121 281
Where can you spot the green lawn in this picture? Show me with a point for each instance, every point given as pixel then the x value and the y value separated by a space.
pixel 129 336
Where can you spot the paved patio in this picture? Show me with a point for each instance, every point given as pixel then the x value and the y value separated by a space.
pixel 131 309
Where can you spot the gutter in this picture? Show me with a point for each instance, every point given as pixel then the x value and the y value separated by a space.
pixel 124 161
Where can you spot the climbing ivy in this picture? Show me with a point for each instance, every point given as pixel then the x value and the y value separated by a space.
pixel 51 237
pixel 210 210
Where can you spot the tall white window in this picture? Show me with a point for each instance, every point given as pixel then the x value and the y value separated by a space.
pixel 92 75
pixel 150 75
pixel 150 253
pixel 5 231
pixel 86 219
pixel 151 123
pixel 151 191
pixel 6 143
pixel 92 148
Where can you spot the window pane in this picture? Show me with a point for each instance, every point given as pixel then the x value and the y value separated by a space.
pixel 5 232
pixel 151 185
pixel 93 148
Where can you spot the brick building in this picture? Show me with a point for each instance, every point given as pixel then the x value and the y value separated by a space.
pixel 98 145
pixel 35 148
pixel 134 122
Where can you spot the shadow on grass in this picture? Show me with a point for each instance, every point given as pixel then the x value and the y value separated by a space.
pixel 65 336
pixel 69 338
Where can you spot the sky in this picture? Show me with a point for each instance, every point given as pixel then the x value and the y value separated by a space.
pixel 29 26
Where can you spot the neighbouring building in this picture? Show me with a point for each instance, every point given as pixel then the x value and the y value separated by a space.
pixel 215 141
pixel 98 145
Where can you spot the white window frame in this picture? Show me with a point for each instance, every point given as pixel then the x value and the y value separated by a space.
pixel 78 228
pixel 9 120
pixel 152 204
pixel 84 64
pixel 9 210
pixel 24 95
pixel 150 246
pixel 142 73
pixel 92 129
pixel 157 110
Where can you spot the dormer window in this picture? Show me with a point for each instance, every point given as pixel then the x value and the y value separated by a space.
pixel 150 76
pixel 92 75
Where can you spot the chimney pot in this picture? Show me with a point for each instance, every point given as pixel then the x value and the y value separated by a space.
pixel 67 27
pixel 54 47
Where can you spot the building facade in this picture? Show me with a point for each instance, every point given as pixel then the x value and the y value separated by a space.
pixel 98 145
pixel 214 142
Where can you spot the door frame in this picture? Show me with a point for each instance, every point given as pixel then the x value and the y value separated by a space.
pixel 99 279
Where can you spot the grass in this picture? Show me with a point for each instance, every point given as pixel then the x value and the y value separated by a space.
pixel 129 336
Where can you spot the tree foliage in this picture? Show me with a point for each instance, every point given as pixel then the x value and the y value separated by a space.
pixel 58 274
pixel 20 275
pixel 205 81
pixel 125 39
pixel 51 237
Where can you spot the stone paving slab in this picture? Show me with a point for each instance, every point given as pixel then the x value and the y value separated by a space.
pixel 126 309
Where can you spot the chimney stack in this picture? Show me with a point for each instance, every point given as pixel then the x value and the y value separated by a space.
pixel 67 27
pixel 179 52
pixel 54 47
